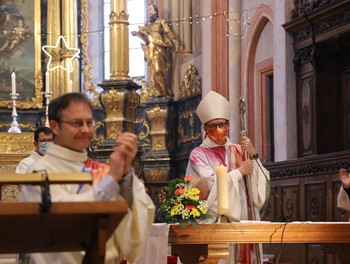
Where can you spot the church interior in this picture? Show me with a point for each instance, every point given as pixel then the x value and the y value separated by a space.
pixel 289 60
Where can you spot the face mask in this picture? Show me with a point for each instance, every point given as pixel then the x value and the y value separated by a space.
pixel 218 134
pixel 43 147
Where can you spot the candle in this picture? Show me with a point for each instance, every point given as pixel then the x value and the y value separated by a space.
pixel 222 190
pixel 47 80
pixel 13 82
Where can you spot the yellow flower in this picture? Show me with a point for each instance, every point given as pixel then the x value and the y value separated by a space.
pixel 195 212
pixel 174 210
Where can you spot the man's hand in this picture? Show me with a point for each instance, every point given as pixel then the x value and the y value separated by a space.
pixel 246 167
pixel 123 154
pixel 344 178
pixel 247 145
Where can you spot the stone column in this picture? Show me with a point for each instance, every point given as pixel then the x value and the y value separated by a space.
pixel 119 98
pixel 119 41
pixel 69 22
pixel 53 32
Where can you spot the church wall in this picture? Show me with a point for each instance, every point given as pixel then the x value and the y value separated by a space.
pixel 264 53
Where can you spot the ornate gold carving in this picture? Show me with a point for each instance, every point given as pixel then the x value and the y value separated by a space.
pixel 98 138
pixel 133 102
pixel 143 134
pixel 144 91
pixel 182 124
pixel 191 83
pixel 16 142
pixel 113 101
pixel 89 86
pixel 122 16
pixel 22 126
pixel 157 117
pixel 156 174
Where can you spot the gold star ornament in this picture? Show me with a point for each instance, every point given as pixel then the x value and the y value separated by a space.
pixel 61 50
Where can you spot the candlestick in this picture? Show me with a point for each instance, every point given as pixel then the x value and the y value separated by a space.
pixel 47 96
pixel 47 82
pixel 14 126
pixel 222 190
pixel 13 82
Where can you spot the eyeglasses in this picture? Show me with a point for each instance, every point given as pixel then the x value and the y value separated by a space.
pixel 44 140
pixel 219 125
pixel 79 123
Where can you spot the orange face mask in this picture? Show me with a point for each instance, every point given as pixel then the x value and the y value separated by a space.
pixel 218 134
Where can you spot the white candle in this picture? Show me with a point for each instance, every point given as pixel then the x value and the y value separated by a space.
pixel 13 82
pixel 47 82
pixel 222 190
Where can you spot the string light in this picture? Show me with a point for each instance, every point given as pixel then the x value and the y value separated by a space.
pixel 230 18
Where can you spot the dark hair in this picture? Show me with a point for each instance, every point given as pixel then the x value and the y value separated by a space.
pixel 45 130
pixel 60 103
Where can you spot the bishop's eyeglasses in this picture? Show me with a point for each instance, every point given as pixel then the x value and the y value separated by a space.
pixel 219 125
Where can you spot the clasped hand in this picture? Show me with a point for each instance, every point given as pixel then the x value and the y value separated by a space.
pixel 344 178
pixel 123 155
pixel 247 145
pixel 247 165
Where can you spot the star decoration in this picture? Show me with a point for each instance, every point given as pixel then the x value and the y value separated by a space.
pixel 56 51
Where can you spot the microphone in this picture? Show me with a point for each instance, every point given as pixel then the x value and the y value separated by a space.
pixel 282 217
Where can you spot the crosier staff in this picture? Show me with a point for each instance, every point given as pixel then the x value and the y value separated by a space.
pixel 247 178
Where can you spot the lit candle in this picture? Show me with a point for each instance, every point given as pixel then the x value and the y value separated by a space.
pixel 47 80
pixel 13 82
pixel 222 190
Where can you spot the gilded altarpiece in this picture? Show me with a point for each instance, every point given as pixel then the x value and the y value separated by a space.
pixel 13 148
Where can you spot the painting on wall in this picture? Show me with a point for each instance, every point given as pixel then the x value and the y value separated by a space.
pixel 20 52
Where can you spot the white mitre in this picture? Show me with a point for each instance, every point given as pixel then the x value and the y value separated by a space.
pixel 212 106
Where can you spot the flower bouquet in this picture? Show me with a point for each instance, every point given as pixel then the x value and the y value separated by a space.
pixel 182 203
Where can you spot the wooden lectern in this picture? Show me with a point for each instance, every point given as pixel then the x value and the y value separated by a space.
pixel 67 226
pixel 189 243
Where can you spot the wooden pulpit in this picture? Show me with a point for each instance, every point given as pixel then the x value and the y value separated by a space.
pixel 66 226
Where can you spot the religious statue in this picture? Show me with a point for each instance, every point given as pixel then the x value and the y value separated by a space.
pixel 158 38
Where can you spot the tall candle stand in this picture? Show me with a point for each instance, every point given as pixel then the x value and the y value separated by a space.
pixel 14 126
pixel 47 97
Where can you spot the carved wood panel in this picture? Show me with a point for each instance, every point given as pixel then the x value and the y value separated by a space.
pixel 315 201
pixel 306 116
pixel 290 201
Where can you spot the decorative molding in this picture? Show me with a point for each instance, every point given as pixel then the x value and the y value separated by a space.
pixel 157 117
pixel 88 86
pixel 156 174
pixel 13 143
pixel 305 7
pixel 191 83
pixel 186 129
pixel 113 101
